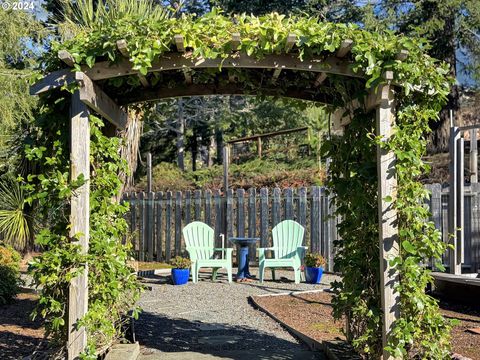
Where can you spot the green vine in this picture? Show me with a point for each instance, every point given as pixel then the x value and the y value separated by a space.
pixel 113 289
pixel 421 331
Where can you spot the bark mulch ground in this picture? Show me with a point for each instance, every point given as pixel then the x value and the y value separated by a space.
pixel 311 314
pixel 19 335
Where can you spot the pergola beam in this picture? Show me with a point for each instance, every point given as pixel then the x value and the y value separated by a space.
pixel 236 41
pixel 178 39
pixel 375 98
pixel 52 81
pixel 66 57
pixel 174 61
pixel 291 38
pixel 345 48
pixel 188 76
pixel 320 79
pixel 402 55
pixel 93 96
pixel 276 74
pixel 123 48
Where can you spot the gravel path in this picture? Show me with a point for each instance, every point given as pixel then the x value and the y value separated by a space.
pixel 212 316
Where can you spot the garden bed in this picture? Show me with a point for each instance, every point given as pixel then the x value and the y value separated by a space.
pixel 311 315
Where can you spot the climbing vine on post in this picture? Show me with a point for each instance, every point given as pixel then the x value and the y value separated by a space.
pixel 113 289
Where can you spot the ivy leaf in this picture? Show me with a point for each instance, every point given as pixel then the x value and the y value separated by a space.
pixel 407 245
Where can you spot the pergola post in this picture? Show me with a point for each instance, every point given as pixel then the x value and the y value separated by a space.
pixel 79 220
pixel 387 214
pixel 454 207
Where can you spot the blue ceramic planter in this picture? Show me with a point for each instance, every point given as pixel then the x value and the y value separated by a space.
pixel 313 275
pixel 180 276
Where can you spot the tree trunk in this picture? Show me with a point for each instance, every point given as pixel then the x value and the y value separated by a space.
pixel 219 143
pixel 444 48
pixel 194 150
pixel 180 136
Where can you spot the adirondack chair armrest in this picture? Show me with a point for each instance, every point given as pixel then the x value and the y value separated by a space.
pixel 265 249
pixel 228 252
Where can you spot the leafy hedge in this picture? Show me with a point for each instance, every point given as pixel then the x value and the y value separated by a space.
pixel 256 173
pixel 421 331
pixel 9 274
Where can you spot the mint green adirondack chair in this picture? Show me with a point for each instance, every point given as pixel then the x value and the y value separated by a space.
pixel 200 246
pixel 287 249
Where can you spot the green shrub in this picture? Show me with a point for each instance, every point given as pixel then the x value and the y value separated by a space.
pixel 9 274
pixel 314 260
pixel 179 262
pixel 166 177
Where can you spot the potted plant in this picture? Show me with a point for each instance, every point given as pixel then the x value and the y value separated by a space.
pixel 180 270
pixel 314 265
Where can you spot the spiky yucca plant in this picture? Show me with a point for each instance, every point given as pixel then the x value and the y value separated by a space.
pixel 17 224
pixel 90 13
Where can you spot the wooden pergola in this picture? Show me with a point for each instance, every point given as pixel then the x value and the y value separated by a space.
pixel 93 95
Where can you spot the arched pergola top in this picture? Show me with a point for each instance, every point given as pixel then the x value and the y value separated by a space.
pixel 225 82
pixel 324 66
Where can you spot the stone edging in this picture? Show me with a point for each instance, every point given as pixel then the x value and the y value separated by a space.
pixel 123 352
pixel 335 350
pixel 153 272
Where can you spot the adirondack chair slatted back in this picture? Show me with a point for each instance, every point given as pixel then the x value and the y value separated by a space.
pixel 287 237
pixel 199 236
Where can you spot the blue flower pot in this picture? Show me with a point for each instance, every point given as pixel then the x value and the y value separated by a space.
pixel 313 275
pixel 180 276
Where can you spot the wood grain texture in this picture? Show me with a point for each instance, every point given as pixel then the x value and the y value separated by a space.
pixel 240 212
pixel 455 266
pixel 387 215
pixel 80 222
pixel 92 95
pixel 174 61
pixel 345 48
pixel 66 57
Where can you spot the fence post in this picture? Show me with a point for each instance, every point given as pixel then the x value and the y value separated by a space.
pixel 208 207
pixel 229 213
pixel 178 223
pixel 217 199
pixel 288 204
pixel 252 221
pixel 168 232
pixel 276 204
pixel 159 206
pixel 133 220
pixel 264 217
pixel 315 220
pixel 141 223
pixel 149 227
pixel 188 207
pixel 302 210
pixel 240 213
pixel 198 204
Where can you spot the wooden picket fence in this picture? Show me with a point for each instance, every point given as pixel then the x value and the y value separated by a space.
pixel 156 219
